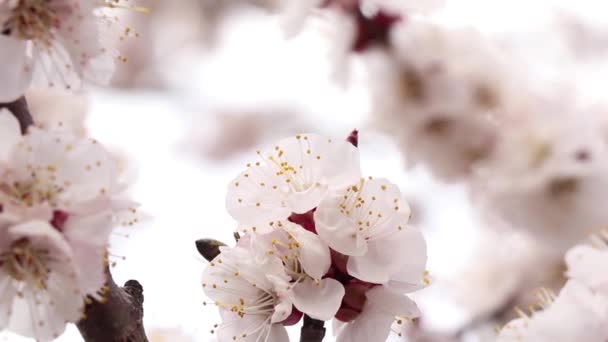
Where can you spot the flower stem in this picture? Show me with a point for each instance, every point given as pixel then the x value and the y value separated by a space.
pixel 312 330
pixel 21 111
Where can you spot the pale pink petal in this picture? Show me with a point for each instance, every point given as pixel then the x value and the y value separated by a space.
pixel 374 322
pixel 301 202
pixel 282 310
pixel 401 256
pixel 255 196
pixel 254 327
pixel 88 237
pixel 10 134
pixel 314 253
pixel 15 68
pixel 589 266
pixel 318 300
pixel 7 293
pixel 43 234
pixel 278 333
pixel 339 233
pixel 342 166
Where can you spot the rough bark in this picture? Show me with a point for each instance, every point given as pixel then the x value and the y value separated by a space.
pixel 119 318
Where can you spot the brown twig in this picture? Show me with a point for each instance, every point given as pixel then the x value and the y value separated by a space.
pixel 312 330
pixel 21 112
pixel 120 317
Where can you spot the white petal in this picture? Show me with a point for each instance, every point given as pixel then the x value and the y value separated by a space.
pixel 7 294
pixel 281 311
pixel 374 322
pixel 301 202
pixel 15 68
pixel 400 256
pixel 10 133
pixel 42 234
pixel 88 237
pixel 83 168
pixel 294 14
pixel 319 301
pixel 255 196
pixel 589 266
pixel 234 326
pixel 314 253
pixel 342 166
pixel 337 231
pixel 277 333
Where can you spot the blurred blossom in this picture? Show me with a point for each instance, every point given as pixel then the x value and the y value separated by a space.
pixel 548 172
pixel 582 302
pixel 438 91
pixel 230 132
pixel 503 272
pixel 582 309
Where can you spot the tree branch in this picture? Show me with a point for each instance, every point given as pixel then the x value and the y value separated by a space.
pixel 312 330
pixel 21 112
pixel 119 318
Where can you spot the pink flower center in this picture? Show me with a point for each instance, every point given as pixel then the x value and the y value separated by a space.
pixel 59 219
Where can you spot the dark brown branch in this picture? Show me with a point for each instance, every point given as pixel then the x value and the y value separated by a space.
pixel 209 248
pixel 312 330
pixel 21 112
pixel 119 318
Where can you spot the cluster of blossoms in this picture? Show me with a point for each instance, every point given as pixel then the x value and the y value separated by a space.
pixel 582 303
pixel 444 98
pixel 317 239
pixel 535 159
pixel 60 198
pixel 60 42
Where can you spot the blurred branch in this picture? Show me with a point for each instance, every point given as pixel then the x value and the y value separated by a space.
pixel 21 112
pixel 312 330
pixel 119 317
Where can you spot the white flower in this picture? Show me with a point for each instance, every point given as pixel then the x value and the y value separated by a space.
pixel 383 307
pixel 44 172
pixel 368 222
pixel 40 281
pixel 248 296
pixel 577 314
pixel 306 260
pixel 58 41
pixel 291 178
